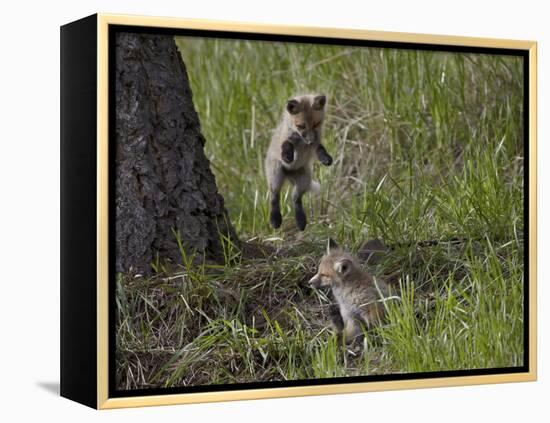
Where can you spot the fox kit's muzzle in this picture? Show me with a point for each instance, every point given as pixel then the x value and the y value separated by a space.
pixel 303 136
pixel 310 137
pixel 315 281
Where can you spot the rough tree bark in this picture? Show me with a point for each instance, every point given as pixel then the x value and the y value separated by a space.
pixel 163 178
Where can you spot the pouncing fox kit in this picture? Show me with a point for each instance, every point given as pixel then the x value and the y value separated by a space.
pixel 295 142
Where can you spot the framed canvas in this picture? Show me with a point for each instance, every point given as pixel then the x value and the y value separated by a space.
pixel 256 211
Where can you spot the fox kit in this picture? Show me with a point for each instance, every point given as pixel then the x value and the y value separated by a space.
pixel 358 294
pixel 297 139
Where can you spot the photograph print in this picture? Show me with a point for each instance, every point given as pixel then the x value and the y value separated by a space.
pixel 292 211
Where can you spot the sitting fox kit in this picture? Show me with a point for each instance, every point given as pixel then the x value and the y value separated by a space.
pixel 358 294
pixel 296 141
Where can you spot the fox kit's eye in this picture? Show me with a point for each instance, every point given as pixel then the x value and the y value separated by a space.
pixel 301 126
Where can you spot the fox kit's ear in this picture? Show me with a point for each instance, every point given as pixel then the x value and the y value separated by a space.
pixel 331 245
pixel 293 106
pixel 342 266
pixel 319 102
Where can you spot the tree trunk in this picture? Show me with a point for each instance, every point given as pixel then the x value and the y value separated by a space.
pixel 164 184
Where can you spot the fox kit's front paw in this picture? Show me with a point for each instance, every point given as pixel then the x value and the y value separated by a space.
pixel 323 156
pixel 336 320
pixel 287 152
pixel 275 219
pixel 326 160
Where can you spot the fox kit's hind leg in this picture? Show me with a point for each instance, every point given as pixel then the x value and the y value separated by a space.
pixel 301 179
pixel 373 314
pixel 275 178
pixel 351 330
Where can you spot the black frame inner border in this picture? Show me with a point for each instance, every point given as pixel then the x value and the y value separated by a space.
pixel 114 29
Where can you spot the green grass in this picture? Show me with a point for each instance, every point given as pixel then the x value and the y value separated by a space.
pixel 427 146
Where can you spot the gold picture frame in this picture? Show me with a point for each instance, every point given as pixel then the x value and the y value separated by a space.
pixel 99 25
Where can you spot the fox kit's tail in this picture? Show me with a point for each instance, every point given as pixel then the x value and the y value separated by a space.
pixel 315 187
